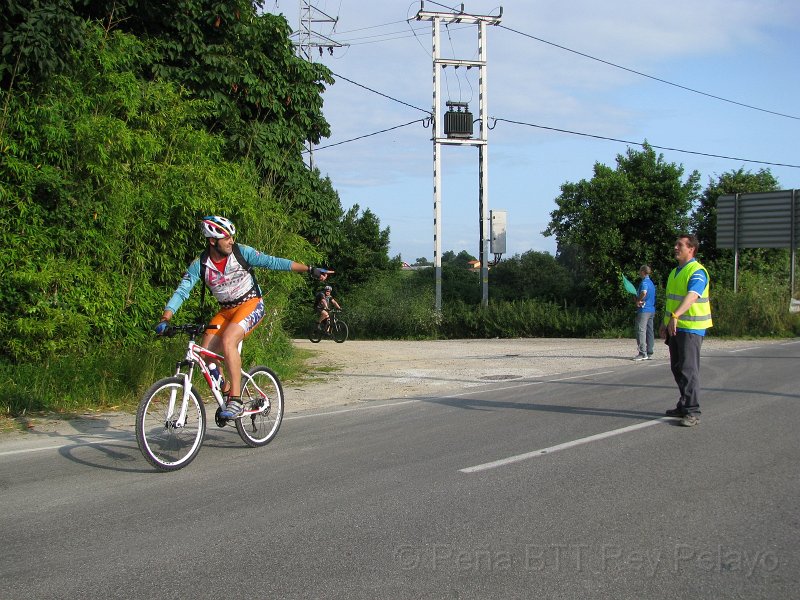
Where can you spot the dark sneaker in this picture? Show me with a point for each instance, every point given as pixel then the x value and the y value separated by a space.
pixel 675 412
pixel 639 357
pixel 233 408
pixel 690 420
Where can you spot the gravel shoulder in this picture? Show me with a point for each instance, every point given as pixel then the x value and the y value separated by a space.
pixel 367 371
pixel 363 371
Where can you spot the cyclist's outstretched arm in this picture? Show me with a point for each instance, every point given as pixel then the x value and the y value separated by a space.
pixel 274 263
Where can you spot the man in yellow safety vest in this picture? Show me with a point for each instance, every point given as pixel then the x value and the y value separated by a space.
pixel 687 315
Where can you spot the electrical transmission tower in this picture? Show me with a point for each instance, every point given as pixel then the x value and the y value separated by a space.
pixel 456 129
pixel 308 40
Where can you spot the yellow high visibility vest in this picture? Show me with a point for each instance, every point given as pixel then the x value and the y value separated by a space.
pixel 699 314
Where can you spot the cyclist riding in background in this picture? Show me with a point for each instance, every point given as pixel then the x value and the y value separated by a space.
pixel 322 303
pixel 227 269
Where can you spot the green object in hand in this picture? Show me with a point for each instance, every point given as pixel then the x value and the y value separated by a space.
pixel 629 287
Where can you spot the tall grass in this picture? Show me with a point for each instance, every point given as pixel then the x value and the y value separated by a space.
pixel 114 378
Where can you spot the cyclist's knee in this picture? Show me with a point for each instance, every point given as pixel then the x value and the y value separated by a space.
pixel 231 339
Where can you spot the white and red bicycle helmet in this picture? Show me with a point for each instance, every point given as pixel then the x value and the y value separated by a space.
pixel 217 227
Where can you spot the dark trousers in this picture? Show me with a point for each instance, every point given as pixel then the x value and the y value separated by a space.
pixel 684 360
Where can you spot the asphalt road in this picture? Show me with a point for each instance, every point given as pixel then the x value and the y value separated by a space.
pixel 562 487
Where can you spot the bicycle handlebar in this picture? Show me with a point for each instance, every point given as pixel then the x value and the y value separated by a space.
pixel 192 329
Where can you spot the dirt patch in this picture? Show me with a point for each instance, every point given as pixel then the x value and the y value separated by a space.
pixel 364 371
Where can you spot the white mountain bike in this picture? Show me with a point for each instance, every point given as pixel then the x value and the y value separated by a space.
pixel 171 419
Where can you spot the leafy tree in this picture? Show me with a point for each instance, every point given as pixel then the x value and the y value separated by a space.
pixel 462 259
pixel 36 39
pixel 532 275
pixel 459 284
pixel 316 208
pixel 267 101
pixel 264 100
pixel 448 256
pixel 623 217
pixel 363 252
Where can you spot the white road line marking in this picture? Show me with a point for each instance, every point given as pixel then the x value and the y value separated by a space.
pixel 564 446
pixel 582 376
pixel 71 443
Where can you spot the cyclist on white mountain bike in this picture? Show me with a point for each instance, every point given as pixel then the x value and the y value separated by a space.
pixel 227 269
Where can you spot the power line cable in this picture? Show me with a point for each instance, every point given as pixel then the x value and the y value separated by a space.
pixel 499 119
pixel 380 93
pixel 610 139
pixel 370 39
pixel 664 81
pixel 372 27
pixel 424 121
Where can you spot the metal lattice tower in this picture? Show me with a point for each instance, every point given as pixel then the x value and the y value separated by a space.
pixel 308 40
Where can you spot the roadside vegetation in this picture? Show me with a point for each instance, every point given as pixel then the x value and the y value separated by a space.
pixel 118 132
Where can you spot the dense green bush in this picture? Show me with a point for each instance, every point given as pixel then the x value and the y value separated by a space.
pixel 531 318
pixel 390 305
pixel 759 308
pixel 103 180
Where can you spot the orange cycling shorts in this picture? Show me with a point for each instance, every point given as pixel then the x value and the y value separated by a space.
pixel 247 315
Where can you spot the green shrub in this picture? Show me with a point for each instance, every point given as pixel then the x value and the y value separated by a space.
pixel 759 308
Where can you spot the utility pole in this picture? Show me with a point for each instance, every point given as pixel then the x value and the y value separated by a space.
pixel 308 39
pixel 459 132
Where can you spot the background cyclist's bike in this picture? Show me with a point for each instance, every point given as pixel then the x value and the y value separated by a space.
pixel 171 419
pixel 338 329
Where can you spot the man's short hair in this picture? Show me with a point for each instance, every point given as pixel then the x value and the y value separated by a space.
pixel 691 240
pixel 646 268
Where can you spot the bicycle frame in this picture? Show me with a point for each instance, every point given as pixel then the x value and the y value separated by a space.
pixel 197 355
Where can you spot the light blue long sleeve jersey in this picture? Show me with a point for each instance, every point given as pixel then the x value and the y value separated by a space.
pixel 231 285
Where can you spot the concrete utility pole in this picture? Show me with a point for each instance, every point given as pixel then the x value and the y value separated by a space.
pixel 460 136
pixel 308 39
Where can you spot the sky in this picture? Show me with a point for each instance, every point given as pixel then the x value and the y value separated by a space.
pixel 745 52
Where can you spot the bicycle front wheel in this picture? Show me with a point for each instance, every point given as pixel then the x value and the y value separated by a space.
pixel 340 332
pixel 261 392
pixel 165 442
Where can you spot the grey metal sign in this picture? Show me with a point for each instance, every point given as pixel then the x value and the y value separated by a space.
pixel 760 220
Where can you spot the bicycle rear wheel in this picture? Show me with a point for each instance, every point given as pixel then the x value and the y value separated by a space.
pixel 315 333
pixel 264 393
pixel 340 332
pixel 166 444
